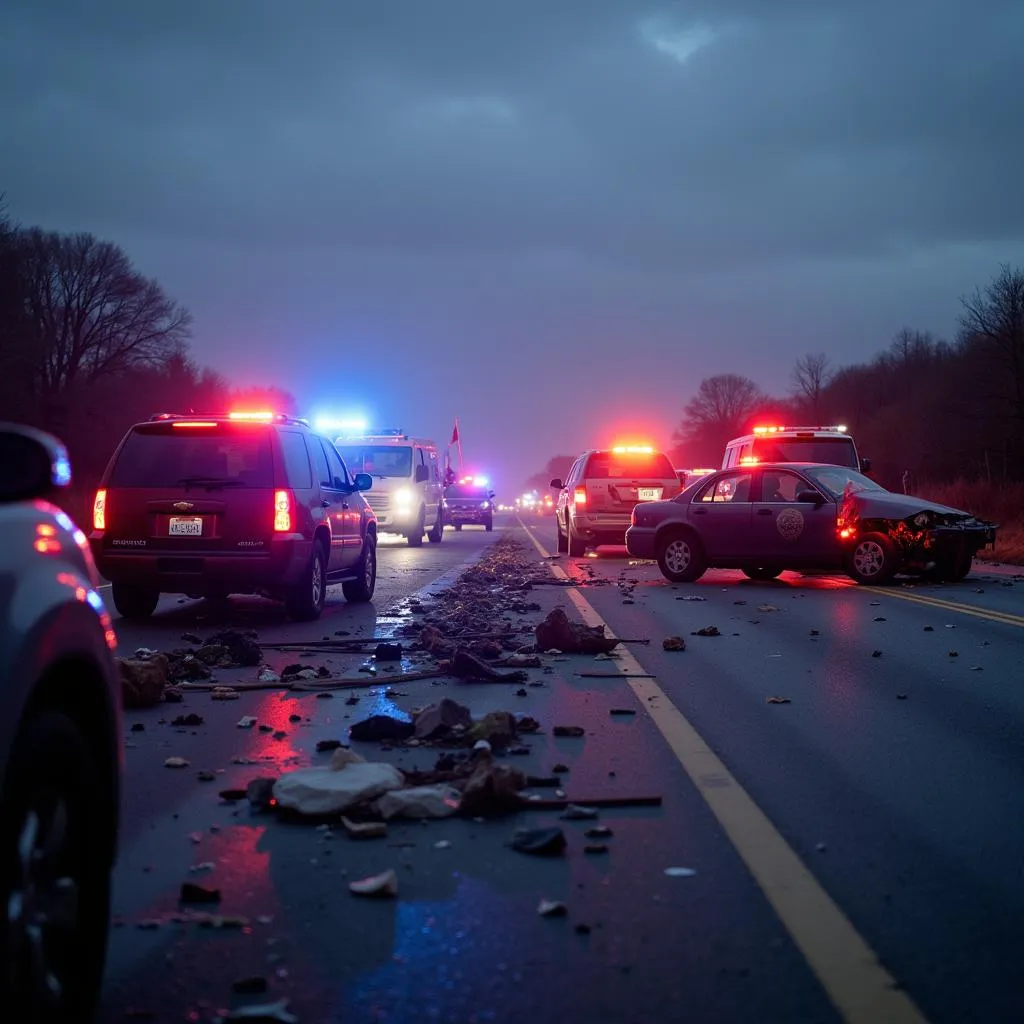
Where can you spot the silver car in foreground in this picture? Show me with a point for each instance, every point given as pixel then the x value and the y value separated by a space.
pixel 60 745
pixel 765 519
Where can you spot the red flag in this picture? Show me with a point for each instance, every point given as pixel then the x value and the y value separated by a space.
pixel 455 434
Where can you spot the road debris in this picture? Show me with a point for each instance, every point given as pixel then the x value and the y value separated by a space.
pixel 673 643
pixel 539 842
pixel 384 885
pixel 680 872
pixel 552 908
pixel 176 762
pixel 192 893
pixel 707 631
pixel 329 791
pixel 780 700
pixel 556 632
pixel 265 1013
pixel 364 829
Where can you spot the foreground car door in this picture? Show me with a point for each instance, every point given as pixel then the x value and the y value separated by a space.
pixel 789 532
pixel 721 513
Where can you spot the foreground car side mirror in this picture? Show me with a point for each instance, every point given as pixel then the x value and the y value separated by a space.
pixel 865 465
pixel 33 463
pixel 422 474
pixel 811 498
pixel 362 482
pixel 557 484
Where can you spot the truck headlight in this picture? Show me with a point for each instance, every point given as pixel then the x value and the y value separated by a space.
pixel 403 496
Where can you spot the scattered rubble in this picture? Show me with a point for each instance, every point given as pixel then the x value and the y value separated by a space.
pixel 673 643
pixel 556 632
pixel 382 885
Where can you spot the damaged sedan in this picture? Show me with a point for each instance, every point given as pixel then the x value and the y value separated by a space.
pixel 768 518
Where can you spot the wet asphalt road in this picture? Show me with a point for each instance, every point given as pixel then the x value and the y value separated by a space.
pixel 907 812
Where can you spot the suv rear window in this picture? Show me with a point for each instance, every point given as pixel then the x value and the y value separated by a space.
pixel 162 456
pixel 831 451
pixel 613 465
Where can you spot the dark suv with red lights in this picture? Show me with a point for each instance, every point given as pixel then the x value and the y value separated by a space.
pixel 243 503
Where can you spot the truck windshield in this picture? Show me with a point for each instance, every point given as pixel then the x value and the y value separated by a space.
pixel 829 451
pixel 377 459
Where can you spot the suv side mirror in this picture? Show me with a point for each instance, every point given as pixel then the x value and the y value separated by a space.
pixel 865 465
pixel 33 463
pixel 490 494
pixel 810 497
pixel 557 484
pixel 422 474
pixel 362 482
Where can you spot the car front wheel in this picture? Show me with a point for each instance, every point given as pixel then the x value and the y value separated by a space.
pixel 56 842
pixel 436 534
pixel 362 587
pixel 872 560
pixel 680 558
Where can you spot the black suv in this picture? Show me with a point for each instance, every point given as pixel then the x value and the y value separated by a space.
pixel 243 503
pixel 466 503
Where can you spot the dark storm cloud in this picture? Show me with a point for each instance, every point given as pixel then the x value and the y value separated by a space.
pixel 712 180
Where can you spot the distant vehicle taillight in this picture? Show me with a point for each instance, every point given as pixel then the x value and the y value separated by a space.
pixel 283 507
pixel 99 510
pixel 580 496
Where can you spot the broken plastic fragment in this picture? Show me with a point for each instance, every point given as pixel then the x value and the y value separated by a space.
pixel 382 885
pixel 246 722
pixel 680 872
pixel 364 829
pixel 541 842
pixel 574 812
pixel 780 700
pixel 277 1013
pixel 552 908
pixel 176 762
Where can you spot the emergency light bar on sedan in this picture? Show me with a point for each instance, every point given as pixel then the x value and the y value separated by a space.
pixel 633 449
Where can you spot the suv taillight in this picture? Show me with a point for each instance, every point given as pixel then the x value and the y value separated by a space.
pixel 283 508
pixel 99 510
pixel 579 496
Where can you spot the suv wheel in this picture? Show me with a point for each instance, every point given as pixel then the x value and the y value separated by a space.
pixel 306 601
pixel 55 866
pixel 489 524
pixel 134 602
pixel 362 587
pixel 577 547
pixel 563 542
pixel 436 534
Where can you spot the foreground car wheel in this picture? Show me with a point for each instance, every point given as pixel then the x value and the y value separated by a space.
pixel 873 559
pixel 761 572
pixel 55 844
pixel 362 588
pixel 954 569
pixel 306 601
pixel 680 558
pixel 133 602
pixel 562 541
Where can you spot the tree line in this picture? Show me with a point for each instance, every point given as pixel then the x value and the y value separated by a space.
pixel 925 410
pixel 89 345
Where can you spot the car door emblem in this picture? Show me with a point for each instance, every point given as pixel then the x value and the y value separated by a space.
pixel 183 506
pixel 790 523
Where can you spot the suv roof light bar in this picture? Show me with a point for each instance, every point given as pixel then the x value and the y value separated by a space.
pixel 233 417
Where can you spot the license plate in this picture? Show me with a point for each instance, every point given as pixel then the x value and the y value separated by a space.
pixel 191 527
pixel 648 493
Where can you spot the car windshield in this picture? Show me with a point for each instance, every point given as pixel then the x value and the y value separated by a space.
pixel 229 454
pixel 836 479
pixel 629 465
pixel 463 491
pixel 834 451
pixel 377 460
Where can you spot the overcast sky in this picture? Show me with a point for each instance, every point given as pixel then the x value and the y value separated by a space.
pixel 550 218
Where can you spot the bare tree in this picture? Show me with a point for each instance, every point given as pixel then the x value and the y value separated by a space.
pixel 718 412
pixel 91 314
pixel 810 377
pixel 994 321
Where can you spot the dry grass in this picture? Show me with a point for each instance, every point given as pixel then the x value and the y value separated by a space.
pixel 1003 504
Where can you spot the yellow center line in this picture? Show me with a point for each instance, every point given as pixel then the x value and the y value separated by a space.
pixel 860 988
pixel 1007 618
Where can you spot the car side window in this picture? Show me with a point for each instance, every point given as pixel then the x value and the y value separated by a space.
pixel 339 474
pixel 323 471
pixel 730 487
pixel 296 459
pixel 780 486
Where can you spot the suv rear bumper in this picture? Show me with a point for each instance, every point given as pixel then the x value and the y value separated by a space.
pixel 602 528
pixel 276 568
